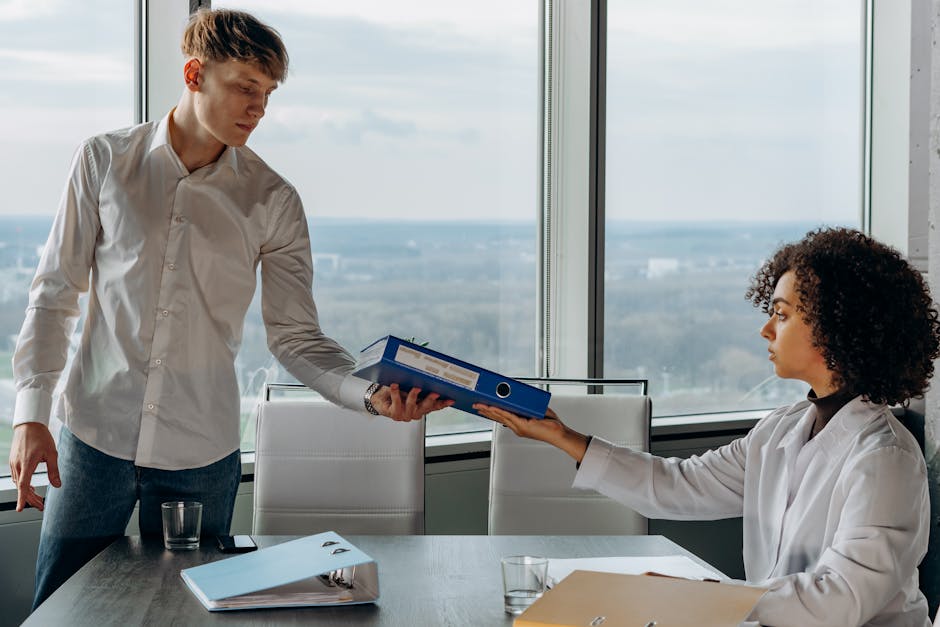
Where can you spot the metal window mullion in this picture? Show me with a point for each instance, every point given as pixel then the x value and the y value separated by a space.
pixel 597 207
pixel 140 60
pixel 546 149
pixel 568 239
pixel 866 70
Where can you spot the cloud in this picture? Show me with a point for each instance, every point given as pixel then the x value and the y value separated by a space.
pixel 731 24
pixel 480 19
pixel 289 124
pixel 63 127
pixel 62 66
pixel 369 123
pixel 19 10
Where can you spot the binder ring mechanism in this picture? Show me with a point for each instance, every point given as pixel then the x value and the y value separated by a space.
pixel 336 578
pixel 334 551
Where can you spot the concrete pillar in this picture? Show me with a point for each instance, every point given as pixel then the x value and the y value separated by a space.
pixel 930 569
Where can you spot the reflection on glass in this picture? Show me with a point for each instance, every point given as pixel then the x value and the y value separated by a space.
pixel 732 126
pixel 68 71
pixel 410 131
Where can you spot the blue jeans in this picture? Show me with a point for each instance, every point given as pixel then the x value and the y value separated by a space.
pixel 97 498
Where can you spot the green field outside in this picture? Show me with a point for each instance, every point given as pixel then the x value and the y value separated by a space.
pixel 6 437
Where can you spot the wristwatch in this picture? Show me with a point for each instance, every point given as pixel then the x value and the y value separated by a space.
pixel 367 399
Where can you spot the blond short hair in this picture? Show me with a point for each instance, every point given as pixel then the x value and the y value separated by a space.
pixel 223 35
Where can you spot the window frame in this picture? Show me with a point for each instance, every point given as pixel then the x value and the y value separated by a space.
pixel 574 33
pixel 571 245
pixel 571 211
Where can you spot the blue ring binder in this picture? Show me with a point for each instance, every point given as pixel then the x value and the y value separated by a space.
pixel 299 573
pixel 394 360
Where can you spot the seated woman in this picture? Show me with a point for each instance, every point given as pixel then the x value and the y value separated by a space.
pixel 833 489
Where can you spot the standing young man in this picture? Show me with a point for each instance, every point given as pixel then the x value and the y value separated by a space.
pixel 164 224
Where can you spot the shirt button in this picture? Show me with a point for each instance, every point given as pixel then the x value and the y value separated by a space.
pixel 158 361
pixel 165 313
pixel 179 219
pixel 150 406
pixel 172 266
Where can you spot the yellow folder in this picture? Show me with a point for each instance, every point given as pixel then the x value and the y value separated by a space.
pixel 590 599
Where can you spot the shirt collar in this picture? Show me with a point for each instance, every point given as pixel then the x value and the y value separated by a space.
pixel 229 157
pixel 797 435
pixel 838 432
pixel 161 139
pixel 828 406
pixel 846 423
pixel 161 135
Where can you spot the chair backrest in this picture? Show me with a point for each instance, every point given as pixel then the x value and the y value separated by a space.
pixel 319 467
pixel 530 481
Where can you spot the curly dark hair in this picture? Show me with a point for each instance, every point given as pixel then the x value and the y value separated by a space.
pixel 870 312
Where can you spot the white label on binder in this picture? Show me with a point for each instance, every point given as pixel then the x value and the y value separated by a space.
pixel 457 375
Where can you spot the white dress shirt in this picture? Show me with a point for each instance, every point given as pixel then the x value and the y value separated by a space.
pixel 835 527
pixel 170 259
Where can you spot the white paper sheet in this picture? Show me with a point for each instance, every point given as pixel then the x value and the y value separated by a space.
pixel 672 565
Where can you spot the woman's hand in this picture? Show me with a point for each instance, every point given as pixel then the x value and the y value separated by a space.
pixel 549 429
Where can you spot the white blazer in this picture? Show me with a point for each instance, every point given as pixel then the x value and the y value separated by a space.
pixel 834 526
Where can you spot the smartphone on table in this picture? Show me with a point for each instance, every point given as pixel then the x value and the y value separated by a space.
pixel 236 544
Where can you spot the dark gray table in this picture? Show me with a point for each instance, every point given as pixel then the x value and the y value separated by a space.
pixel 423 580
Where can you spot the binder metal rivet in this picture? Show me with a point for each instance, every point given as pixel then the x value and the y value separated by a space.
pixel 503 389
pixel 339 550
pixel 598 620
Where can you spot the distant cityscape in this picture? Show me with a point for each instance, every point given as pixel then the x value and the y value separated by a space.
pixel 675 311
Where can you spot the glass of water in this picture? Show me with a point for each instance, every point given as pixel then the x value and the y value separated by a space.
pixel 182 522
pixel 523 581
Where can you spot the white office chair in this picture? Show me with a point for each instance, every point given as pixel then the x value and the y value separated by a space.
pixel 530 481
pixel 319 467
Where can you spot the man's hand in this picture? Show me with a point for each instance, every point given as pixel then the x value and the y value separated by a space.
pixel 32 444
pixel 392 402
pixel 548 429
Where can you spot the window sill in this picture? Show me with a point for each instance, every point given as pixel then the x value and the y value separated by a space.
pixel 476 444
pixel 8 490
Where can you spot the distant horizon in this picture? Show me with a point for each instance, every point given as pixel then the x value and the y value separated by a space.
pixel 510 221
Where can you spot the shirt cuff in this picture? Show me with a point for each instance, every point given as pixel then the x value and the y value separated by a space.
pixel 32 405
pixel 351 393
pixel 594 464
pixel 589 438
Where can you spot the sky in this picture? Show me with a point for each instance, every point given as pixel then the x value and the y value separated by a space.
pixel 428 110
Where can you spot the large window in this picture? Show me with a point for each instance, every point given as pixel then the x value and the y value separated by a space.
pixel 411 131
pixel 67 71
pixel 732 127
